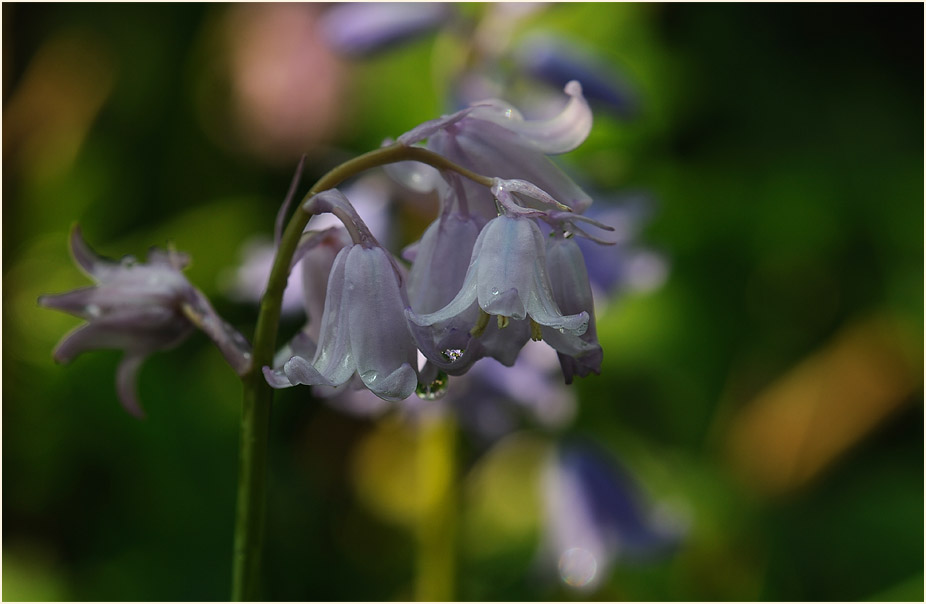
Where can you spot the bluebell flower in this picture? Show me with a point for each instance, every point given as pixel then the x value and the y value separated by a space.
pixel 441 257
pixel 363 332
pixel 573 293
pixel 363 28
pixel 140 308
pixel 596 514
pixel 493 139
pixel 507 279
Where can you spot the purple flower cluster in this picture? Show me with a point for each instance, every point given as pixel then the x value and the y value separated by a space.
pixel 497 268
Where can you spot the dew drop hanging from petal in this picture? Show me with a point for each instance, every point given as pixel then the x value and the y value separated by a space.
pixel 436 389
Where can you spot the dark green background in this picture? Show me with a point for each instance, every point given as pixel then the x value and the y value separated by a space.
pixel 783 146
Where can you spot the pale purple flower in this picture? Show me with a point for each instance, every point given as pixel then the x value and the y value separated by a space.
pixel 578 355
pixel 140 308
pixel 363 331
pixel 362 28
pixel 493 139
pixel 507 278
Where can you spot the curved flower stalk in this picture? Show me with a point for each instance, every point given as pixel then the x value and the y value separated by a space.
pixel 363 331
pixel 140 308
pixel 492 138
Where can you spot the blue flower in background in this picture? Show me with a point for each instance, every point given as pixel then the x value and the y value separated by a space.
pixel 556 61
pixel 364 28
pixel 596 514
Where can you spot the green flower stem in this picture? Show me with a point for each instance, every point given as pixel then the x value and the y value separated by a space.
pixel 257 397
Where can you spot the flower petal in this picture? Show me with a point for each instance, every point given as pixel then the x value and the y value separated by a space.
pixel 300 371
pixel 559 134
pixel 493 151
pixel 79 302
pixel 93 264
pixel 505 265
pixel 276 378
pixel 444 251
pixel 84 338
pixel 233 346
pixel 464 299
pixel 126 380
pixel 396 386
pixel 581 365
pixel 333 359
pixel 573 293
pixel 432 127
pixel 451 349
pixel 557 61
pixel 379 337
pixel 544 310
pixel 319 253
pixel 504 344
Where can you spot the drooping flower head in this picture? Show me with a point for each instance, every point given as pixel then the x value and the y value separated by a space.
pixel 139 308
pixel 363 333
pixel 509 278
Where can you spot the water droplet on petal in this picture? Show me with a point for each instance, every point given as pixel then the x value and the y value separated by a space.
pixel 577 567
pixel 434 390
pixel 494 291
pixel 369 377
pixel 453 354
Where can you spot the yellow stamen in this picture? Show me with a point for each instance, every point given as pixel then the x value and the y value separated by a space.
pixel 481 323
pixel 536 333
pixel 502 322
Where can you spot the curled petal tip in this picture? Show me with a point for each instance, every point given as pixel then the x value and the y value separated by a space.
pixel 276 379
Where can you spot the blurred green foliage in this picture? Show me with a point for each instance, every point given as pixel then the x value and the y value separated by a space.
pixel 783 146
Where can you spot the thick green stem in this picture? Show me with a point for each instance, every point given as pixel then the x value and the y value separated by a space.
pixel 252 479
pixel 257 395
